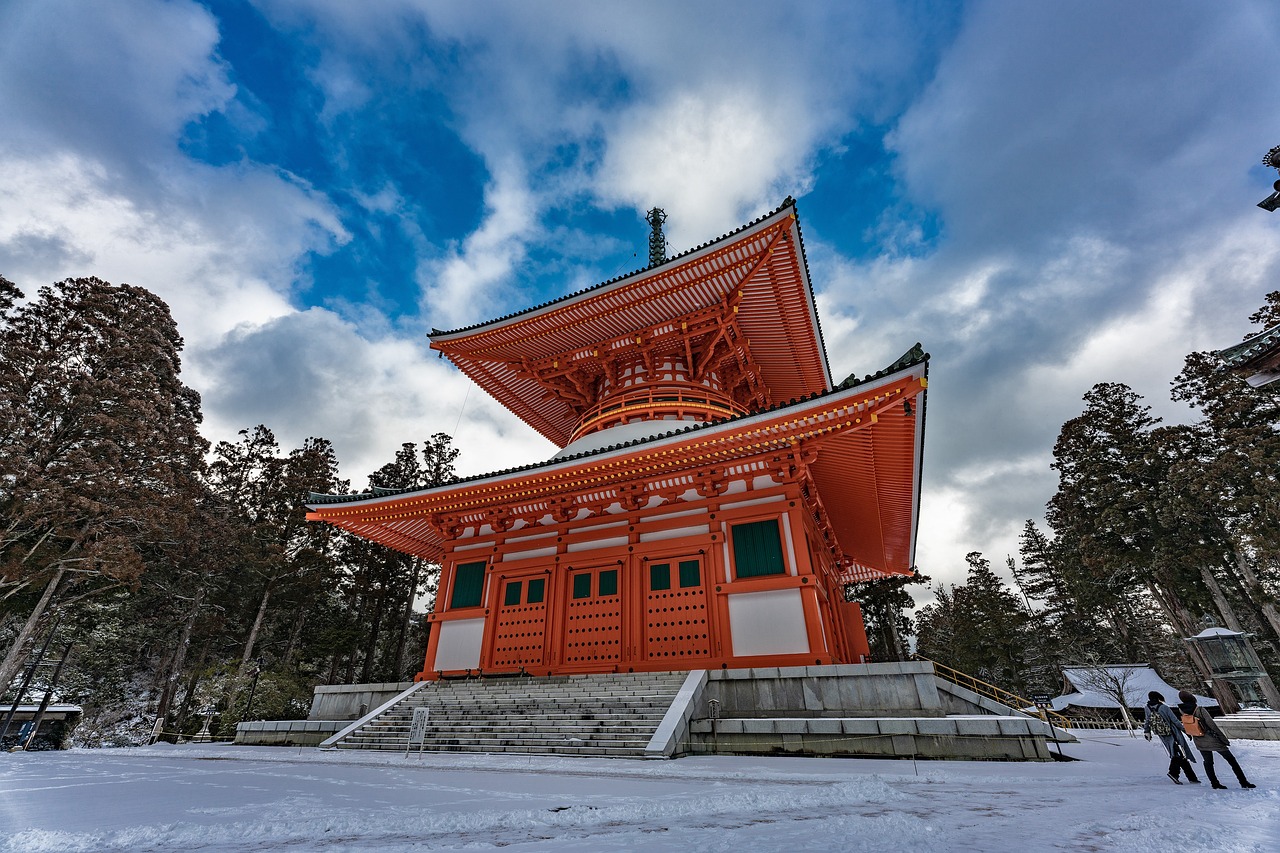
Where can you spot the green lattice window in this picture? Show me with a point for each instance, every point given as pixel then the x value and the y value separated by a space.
pixel 582 585
pixel 609 582
pixel 512 594
pixel 690 573
pixel 757 549
pixel 468 585
pixel 537 589
pixel 659 576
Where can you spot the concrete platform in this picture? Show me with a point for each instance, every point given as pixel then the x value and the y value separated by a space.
pixel 1251 725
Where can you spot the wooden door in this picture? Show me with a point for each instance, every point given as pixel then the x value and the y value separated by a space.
pixel 676 624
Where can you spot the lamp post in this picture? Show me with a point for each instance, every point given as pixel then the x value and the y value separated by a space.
pixel 1232 659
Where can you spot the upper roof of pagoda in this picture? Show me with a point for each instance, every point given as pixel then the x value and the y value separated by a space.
pixel 750 287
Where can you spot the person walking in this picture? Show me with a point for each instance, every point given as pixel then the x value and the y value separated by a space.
pixel 1165 723
pixel 1209 739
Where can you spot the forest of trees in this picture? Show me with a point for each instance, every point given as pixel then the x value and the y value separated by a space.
pixel 1153 527
pixel 172 576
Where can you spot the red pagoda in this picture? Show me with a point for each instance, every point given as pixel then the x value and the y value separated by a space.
pixel 713 494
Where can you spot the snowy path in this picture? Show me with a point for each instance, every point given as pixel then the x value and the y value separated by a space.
pixel 223 798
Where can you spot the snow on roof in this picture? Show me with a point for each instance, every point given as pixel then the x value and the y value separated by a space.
pixel 1217 632
pixel 1092 684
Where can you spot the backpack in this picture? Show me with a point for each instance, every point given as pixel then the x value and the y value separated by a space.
pixel 1159 724
pixel 1191 725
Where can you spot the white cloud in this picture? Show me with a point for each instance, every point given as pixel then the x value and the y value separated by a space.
pixel 711 158
pixel 118 79
pixel 461 288
pixel 311 373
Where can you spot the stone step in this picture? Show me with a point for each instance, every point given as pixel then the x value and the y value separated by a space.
pixel 614 715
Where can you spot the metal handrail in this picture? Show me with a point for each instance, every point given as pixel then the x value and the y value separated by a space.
pixel 991 691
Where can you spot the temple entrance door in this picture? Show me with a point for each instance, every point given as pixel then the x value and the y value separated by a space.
pixel 675 613
pixel 592 625
pixel 519 634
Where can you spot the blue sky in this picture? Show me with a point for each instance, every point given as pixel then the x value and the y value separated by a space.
pixel 1046 195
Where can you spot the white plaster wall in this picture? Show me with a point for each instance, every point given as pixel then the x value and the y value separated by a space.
pixel 459 646
pixel 767 623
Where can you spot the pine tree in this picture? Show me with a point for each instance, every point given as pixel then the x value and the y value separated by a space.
pixel 979 627
pixel 99 443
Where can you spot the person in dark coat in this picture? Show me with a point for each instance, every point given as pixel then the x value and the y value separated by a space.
pixel 1212 740
pixel 1168 727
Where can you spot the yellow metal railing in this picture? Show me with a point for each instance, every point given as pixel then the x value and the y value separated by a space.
pixel 999 694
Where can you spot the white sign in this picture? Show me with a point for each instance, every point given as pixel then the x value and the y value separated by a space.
pixel 418 731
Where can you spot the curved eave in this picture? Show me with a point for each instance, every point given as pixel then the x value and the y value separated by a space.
pixel 867 473
pixel 776 314
pixel 1257 357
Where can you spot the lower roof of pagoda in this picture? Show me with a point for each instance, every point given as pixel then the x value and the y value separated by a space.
pixel 755 279
pixel 860 448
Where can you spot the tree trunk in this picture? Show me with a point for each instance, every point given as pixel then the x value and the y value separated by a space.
pixel 1225 610
pixel 18 651
pixel 1257 593
pixel 242 673
pixel 407 619
pixel 371 651
pixel 295 634
pixel 170 687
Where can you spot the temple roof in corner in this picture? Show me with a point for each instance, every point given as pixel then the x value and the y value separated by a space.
pixel 754 283
pixel 1257 356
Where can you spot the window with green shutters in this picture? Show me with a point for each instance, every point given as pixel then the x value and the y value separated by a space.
pixel 582 585
pixel 659 576
pixel 757 549
pixel 512 596
pixel 537 588
pixel 609 582
pixel 690 574
pixel 468 585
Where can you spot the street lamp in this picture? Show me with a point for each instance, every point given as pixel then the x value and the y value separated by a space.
pixel 1231 658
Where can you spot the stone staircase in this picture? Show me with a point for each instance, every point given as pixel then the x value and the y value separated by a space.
pixel 612 714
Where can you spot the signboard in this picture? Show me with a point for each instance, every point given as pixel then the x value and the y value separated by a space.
pixel 1043 701
pixel 418 730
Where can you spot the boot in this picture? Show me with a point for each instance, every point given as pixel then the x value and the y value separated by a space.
pixel 1245 783
pixel 1218 785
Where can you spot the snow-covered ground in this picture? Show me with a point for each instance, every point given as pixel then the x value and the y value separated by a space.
pixel 226 798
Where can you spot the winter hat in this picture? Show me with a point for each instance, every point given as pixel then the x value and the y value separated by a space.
pixel 1154 697
pixel 1186 697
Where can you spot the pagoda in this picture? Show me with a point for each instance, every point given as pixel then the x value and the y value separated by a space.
pixel 714 492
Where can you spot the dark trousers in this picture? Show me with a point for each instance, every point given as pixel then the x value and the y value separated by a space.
pixel 1231 759
pixel 1180 762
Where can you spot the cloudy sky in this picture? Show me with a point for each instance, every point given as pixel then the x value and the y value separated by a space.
pixel 1047 195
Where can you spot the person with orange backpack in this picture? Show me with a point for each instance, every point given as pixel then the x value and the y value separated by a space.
pixel 1198 723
